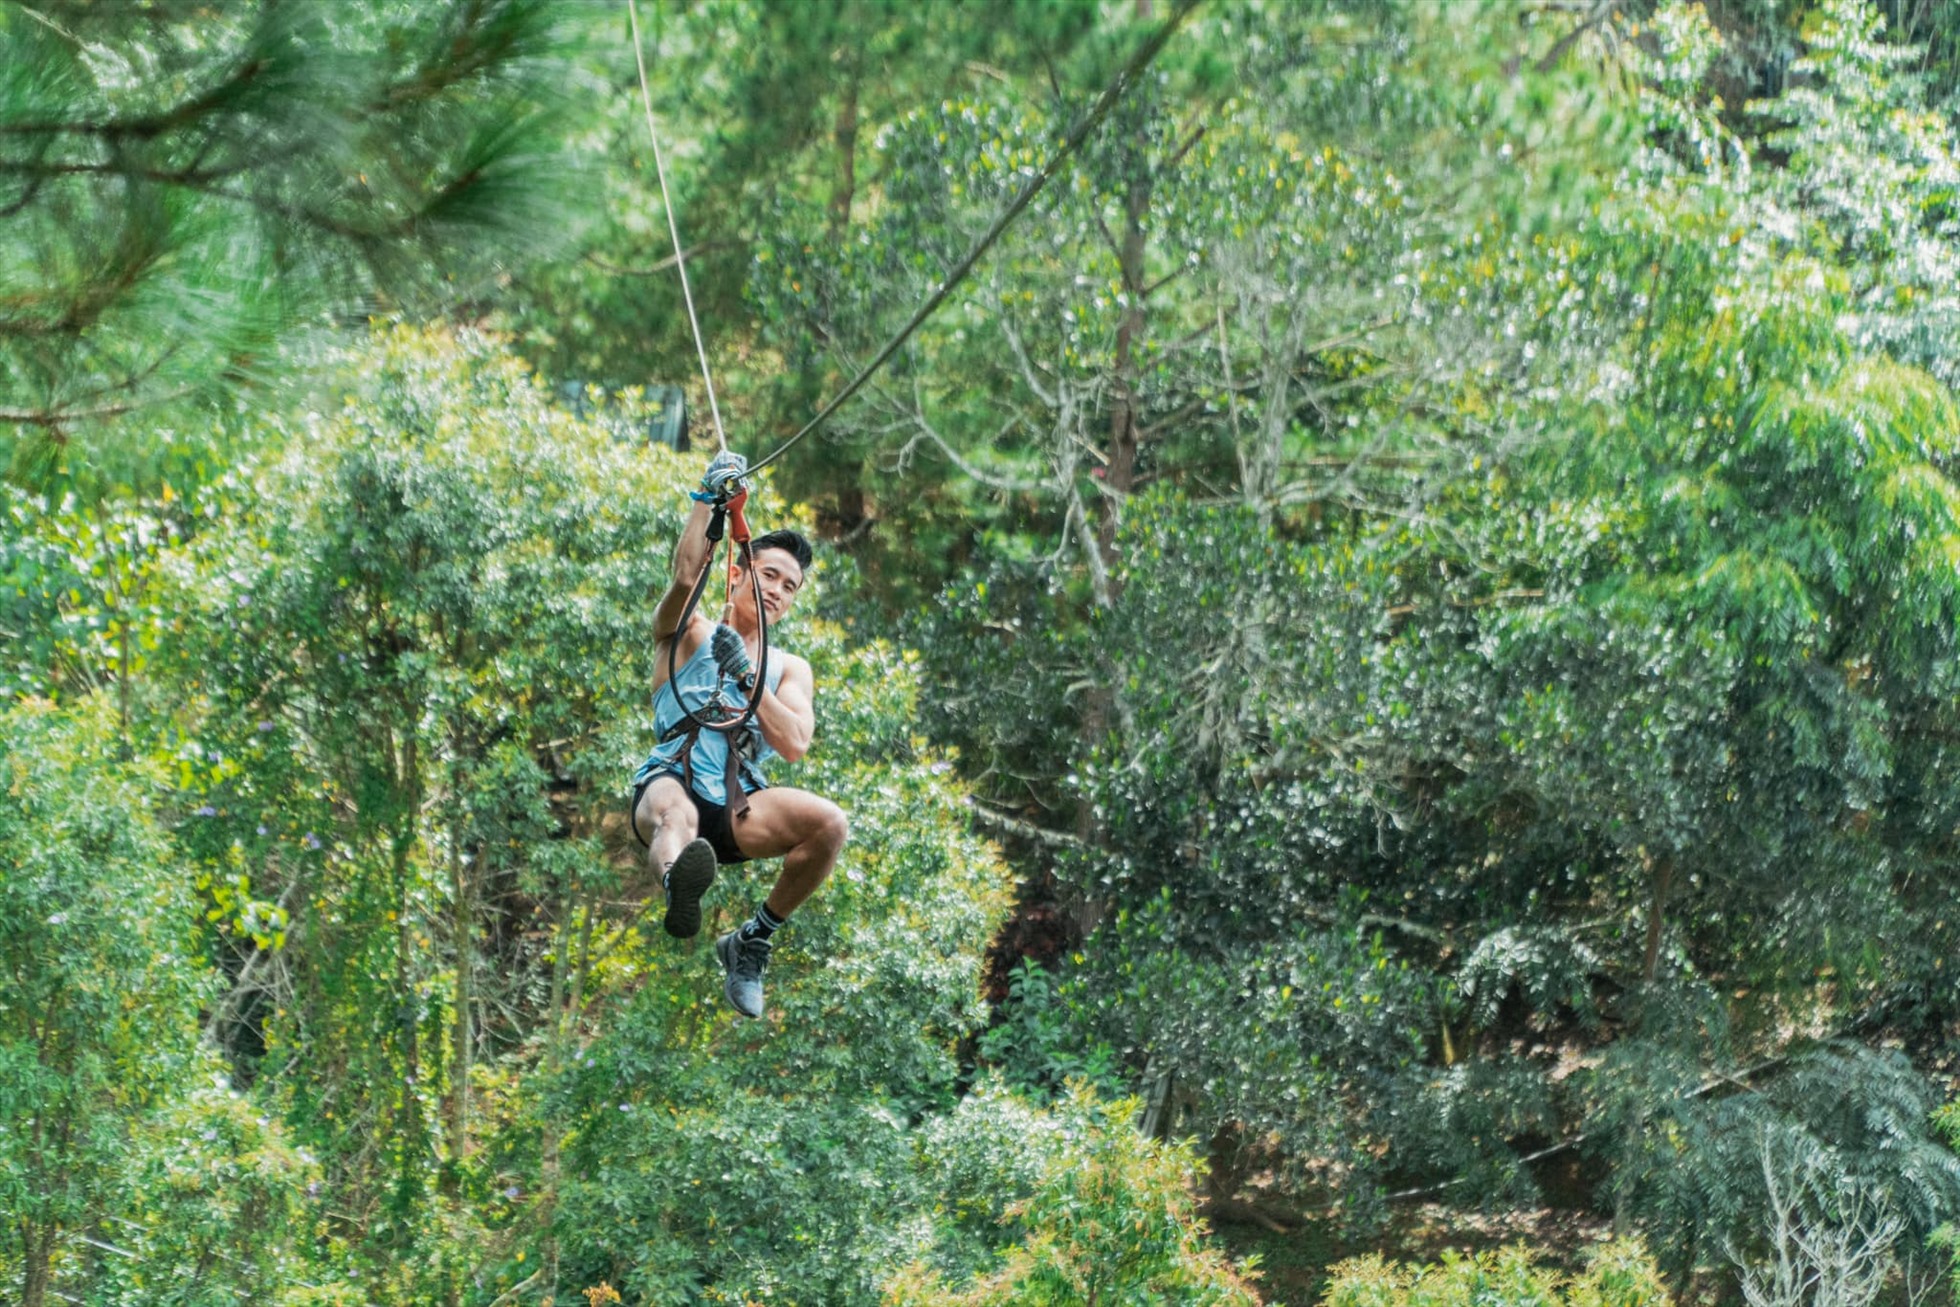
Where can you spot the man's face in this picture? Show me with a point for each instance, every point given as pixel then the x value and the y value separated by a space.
pixel 781 578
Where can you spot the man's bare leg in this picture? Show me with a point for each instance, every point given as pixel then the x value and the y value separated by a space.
pixel 684 862
pixel 807 832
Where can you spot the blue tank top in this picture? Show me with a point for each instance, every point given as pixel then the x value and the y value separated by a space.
pixel 699 680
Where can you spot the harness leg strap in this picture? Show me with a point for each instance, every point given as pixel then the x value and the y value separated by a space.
pixel 736 797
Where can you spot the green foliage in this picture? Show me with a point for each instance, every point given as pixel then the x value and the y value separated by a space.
pixel 1682 117
pixel 1112 1221
pixel 743 1198
pixel 217 1208
pixel 768 116
pixel 756 1198
pixel 1871 180
pixel 101 1129
pixel 1617 1274
pixel 1033 1043
pixel 1614 702
pixel 81 591
pixel 1639 690
pixel 93 916
pixel 1946 1239
pixel 975 1163
pixel 1095 323
pixel 1846 1120
pixel 182 189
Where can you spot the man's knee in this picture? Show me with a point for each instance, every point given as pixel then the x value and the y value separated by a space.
pixel 664 805
pixel 833 827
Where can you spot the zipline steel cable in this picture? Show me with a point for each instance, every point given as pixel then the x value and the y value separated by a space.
pixel 1084 127
pixel 673 227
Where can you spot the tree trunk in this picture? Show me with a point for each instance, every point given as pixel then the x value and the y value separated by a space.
pixel 124 660
pixel 1160 1098
pixel 1225 1162
pixel 1119 475
pixel 557 1036
pixel 37 1241
pixel 410 1021
pixel 846 135
pixel 1662 876
pixel 462 1043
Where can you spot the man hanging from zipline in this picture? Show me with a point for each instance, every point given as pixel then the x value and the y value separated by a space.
pixel 697 798
pixel 695 804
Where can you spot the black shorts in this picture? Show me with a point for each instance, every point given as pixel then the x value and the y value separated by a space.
pixel 713 821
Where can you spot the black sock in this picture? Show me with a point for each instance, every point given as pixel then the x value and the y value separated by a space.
pixel 762 925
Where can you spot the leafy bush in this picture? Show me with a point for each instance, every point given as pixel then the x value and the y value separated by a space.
pixel 1111 1220
pixel 1036 1047
pixel 1618 1274
pixel 125 1172
pixel 98 1026
pixel 217 1209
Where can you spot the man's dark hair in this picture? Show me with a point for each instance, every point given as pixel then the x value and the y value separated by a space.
pixel 790 542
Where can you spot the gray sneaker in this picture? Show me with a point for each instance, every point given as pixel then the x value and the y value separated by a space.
pixel 743 960
pixel 687 880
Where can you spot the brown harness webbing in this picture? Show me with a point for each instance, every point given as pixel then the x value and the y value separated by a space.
pixel 733 795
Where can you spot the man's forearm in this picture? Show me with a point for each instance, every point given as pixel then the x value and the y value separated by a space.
pixel 690 555
pixel 691 551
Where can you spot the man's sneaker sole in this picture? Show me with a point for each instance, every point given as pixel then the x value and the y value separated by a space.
pixel 687 880
pixel 725 950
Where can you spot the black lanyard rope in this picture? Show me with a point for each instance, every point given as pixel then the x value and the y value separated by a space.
pixel 727 515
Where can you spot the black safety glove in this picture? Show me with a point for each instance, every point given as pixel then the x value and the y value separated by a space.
pixel 732 656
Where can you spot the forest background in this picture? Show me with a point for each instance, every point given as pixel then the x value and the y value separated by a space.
pixel 1391 652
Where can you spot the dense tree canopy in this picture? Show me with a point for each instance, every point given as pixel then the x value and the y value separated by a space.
pixel 1393 642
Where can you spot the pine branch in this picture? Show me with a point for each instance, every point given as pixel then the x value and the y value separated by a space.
pixel 57 417
pixel 149 126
